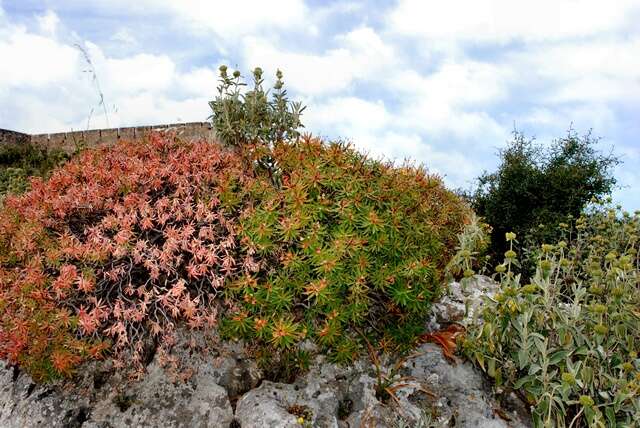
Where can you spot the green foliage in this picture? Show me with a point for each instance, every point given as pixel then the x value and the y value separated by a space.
pixel 284 366
pixel 249 117
pixel 536 186
pixel 18 162
pixel 470 256
pixel 347 242
pixel 567 341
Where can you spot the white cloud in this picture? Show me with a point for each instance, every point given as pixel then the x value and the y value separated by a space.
pixel 151 108
pixel 33 60
pixel 456 168
pixel 47 87
pixel 140 72
pixel 502 21
pixel 381 133
pixel 48 22
pixel 453 99
pixel 581 116
pixel 604 70
pixel 124 37
pixel 227 20
pixel 361 55
pixel 231 20
pixel 345 115
pixel 199 81
pixel 456 83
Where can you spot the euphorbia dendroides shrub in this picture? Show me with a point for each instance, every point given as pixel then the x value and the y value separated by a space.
pixel 122 244
pixel 349 242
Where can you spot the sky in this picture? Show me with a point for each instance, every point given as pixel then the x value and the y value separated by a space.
pixel 443 83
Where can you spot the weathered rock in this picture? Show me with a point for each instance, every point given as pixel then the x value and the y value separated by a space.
pixel 26 404
pixel 368 410
pixel 156 401
pixel 315 397
pixel 280 405
pixel 428 390
pixel 100 397
pixel 327 396
pixel 462 302
pixel 434 392
pixel 153 402
pixel 338 396
pixel 468 400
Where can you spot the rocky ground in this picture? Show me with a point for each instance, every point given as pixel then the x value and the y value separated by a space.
pixel 226 389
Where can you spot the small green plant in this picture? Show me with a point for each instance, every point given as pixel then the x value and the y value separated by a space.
pixel 390 380
pixel 567 340
pixel 284 366
pixel 251 122
pixel 473 242
pixel 18 162
pixel 248 116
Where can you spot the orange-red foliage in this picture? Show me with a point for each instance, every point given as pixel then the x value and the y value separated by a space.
pixel 446 339
pixel 103 249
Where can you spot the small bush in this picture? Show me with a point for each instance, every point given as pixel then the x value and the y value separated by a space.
pixel 123 243
pixel 535 189
pixel 567 341
pixel 18 162
pixel 471 252
pixel 243 117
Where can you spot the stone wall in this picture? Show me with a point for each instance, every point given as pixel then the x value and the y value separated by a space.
pixel 12 137
pixel 68 141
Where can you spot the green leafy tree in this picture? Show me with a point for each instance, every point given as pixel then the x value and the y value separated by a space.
pixel 536 188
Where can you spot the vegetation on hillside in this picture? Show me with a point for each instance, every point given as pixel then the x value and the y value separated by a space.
pixel 567 340
pixel 278 237
pixel 18 162
pixel 535 188
pixel 122 244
